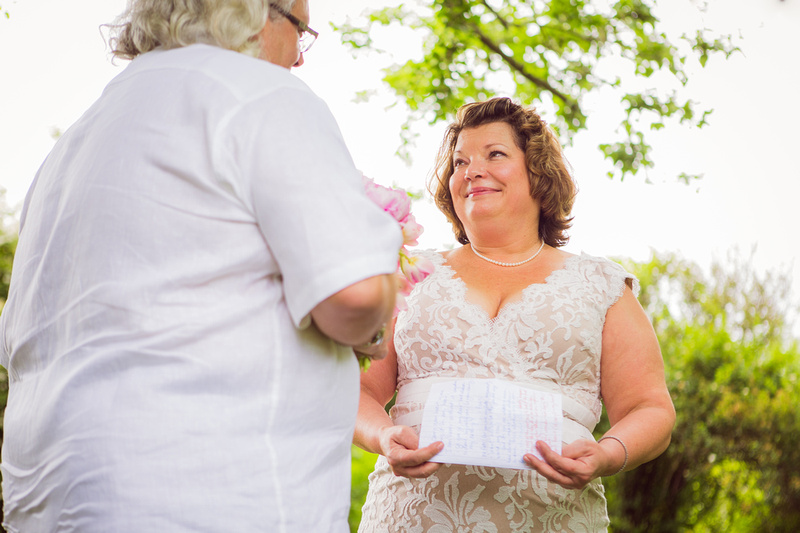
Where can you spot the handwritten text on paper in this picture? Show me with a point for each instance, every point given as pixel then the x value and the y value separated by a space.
pixel 490 422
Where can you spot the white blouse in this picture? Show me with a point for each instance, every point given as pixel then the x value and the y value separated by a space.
pixel 163 372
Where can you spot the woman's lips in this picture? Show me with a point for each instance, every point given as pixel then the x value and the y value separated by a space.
pixel 478 191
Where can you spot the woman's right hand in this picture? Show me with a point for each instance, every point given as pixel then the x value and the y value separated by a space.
pixel 400 446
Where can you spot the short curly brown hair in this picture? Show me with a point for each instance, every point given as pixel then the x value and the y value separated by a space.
pixel 551 183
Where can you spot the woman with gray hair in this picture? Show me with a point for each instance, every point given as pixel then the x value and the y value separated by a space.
pixel 197 258
pixel 246 26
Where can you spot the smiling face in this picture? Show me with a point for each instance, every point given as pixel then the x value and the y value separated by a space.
pixel 280 38
pixel 490 177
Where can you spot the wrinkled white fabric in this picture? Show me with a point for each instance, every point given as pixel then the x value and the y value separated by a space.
pixel 163 373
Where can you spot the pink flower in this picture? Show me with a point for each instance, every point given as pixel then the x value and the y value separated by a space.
pixel 394 201
pixel 415 268
pixel 411 230
pixel 404 285
pixel 400 304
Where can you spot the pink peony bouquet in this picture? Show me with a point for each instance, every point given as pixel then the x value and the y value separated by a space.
pixel 411 269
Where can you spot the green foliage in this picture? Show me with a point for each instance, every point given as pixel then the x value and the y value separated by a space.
pixel 553 52
pixel 733 372
pixel 361 467
pixel 8 245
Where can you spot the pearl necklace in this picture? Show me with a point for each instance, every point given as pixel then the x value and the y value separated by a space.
pixel 500 263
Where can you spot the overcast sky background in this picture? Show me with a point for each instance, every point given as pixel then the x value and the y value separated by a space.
pixel 54 64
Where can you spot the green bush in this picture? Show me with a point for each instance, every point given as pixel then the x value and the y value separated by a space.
pixel 361 467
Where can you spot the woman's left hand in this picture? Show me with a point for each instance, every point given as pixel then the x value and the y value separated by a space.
pixel 579 463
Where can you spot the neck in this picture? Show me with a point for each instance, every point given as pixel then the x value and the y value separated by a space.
pixel 520 250
pixel 506 233
pixel 504 243
pixel 510 263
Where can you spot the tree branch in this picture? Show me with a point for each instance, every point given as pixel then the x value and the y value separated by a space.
pixel 519 67
pixel 496 14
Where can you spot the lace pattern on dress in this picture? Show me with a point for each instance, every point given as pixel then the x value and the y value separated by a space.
pixel 550 338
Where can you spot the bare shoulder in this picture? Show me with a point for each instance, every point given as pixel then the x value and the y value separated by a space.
pixel 453 255
pixel 562 254
pixel 553 259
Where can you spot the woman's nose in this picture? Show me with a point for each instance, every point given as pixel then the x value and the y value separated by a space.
pixel 474 171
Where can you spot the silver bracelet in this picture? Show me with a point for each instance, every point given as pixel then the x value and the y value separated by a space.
pixel 624 463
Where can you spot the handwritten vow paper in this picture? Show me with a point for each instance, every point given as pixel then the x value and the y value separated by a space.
pixel 490 422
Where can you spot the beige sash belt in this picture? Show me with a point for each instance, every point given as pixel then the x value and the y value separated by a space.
pixel 578 423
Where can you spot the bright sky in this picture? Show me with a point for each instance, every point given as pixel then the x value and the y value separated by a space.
pixel 53 64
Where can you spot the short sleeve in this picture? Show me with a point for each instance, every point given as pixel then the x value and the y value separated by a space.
pixel 616 279
pixel 308 198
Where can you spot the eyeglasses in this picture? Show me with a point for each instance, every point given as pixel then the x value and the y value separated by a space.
pixel 307 35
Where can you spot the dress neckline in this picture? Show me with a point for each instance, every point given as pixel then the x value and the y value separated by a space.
pixel 518 299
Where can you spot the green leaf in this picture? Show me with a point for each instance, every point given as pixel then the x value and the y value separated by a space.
pixel 553 53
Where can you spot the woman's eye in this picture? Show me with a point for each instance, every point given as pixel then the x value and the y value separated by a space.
pixel 458 162
pixel 497 153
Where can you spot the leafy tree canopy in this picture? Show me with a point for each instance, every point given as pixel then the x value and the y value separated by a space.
pixel 550 52
pixel 733 370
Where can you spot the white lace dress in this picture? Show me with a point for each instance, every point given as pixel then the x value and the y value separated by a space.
pixel 549 339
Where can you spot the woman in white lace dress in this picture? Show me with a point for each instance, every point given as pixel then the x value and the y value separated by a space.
pixel 510 305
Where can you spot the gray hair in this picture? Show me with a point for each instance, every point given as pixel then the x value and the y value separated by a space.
pixel 231 24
